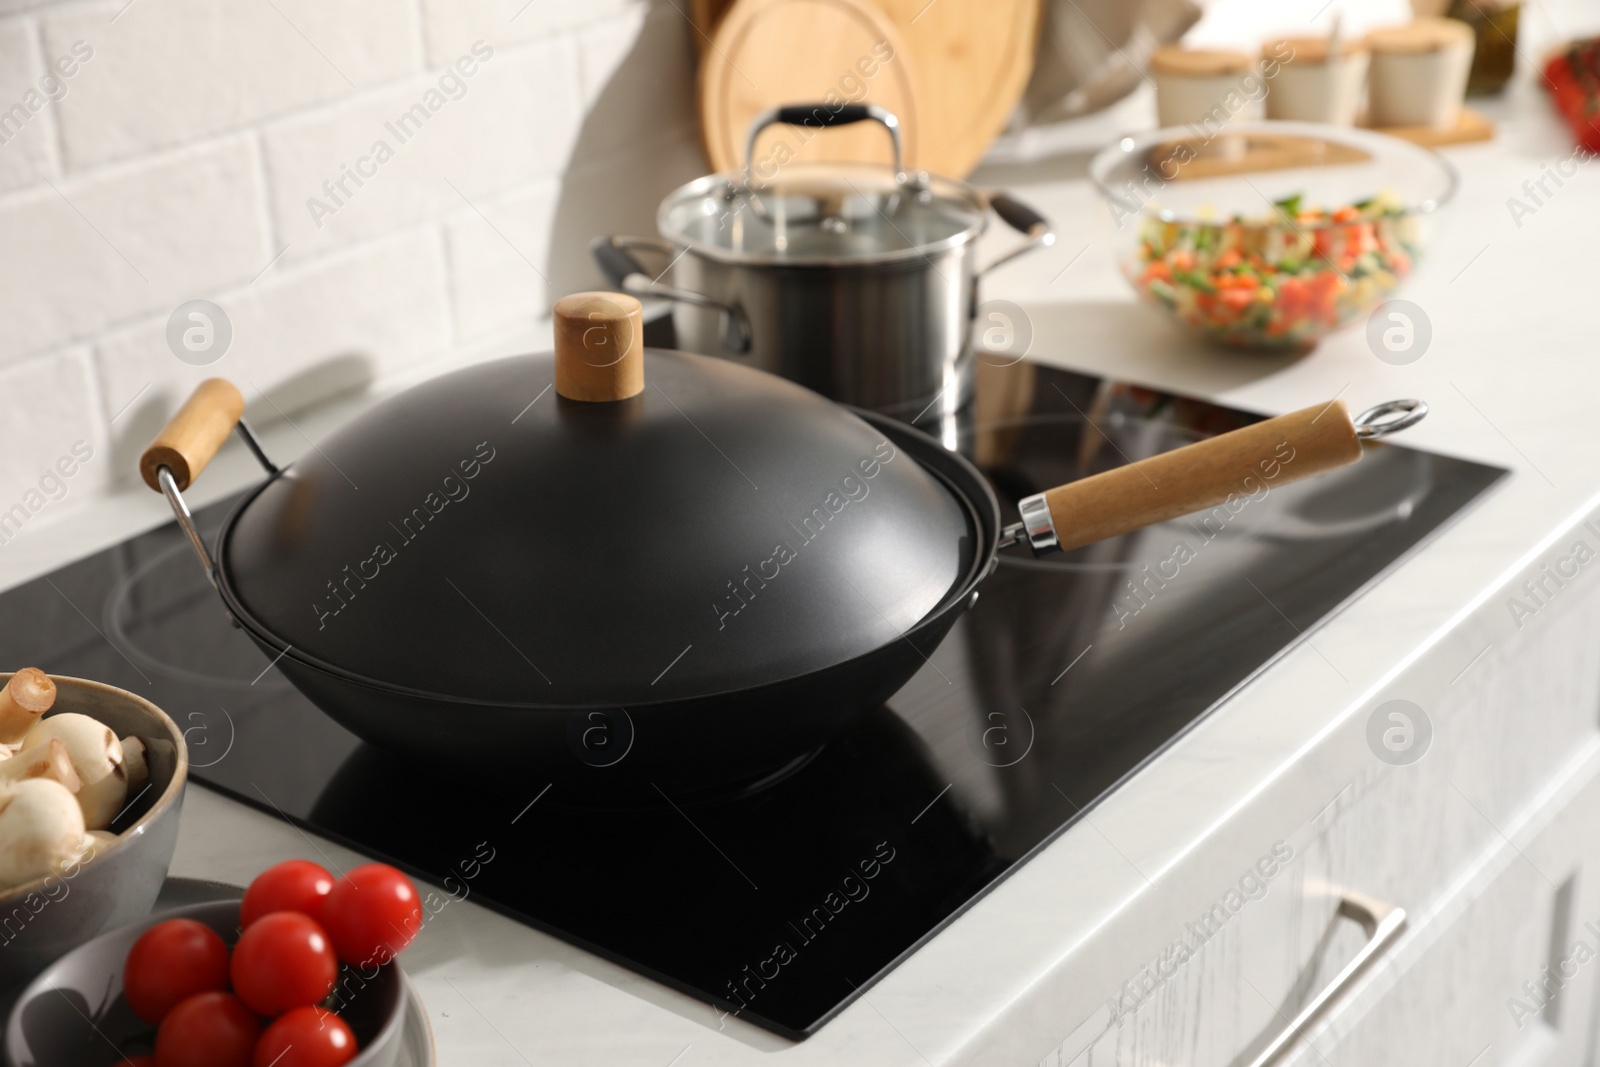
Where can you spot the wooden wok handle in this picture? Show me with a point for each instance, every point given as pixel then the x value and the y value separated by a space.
pixel 194 433
pixel 1238 464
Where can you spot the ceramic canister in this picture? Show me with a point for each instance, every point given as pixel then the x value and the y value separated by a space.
pixel 1204 87
pixel 1419 73
pixel 1314 82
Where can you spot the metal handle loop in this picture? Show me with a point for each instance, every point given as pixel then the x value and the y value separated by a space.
pixel 253 443
pixel 180 510
pixel 1390 417
pixel 822 116
pixel 1382 924
pixel 180 506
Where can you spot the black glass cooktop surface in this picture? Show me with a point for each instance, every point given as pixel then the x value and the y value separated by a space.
pixel 779 904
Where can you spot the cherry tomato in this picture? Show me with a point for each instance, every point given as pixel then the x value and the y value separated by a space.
pixel 306 1037
pixel 171 962
pixel 372 914
pixel 283 961
pixel 207 1030
pixel 293 885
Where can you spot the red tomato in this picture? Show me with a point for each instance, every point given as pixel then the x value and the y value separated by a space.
pixel 1562 86
pixel 171 962
pixel 372 914
pixel 283 961
pixel 1238 299
pixel 293 885
pixel 207 1030
pixel 306 1037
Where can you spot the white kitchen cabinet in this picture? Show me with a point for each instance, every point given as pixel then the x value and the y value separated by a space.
pixel 1457 989
pixel 1490 842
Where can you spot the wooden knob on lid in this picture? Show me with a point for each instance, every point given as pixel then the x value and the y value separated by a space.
pixel 599 346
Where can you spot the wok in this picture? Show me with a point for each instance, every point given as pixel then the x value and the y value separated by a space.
pixel 578 588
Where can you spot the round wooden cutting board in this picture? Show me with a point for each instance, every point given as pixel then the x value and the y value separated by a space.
pixel 968 63
pixel 770 52
pixel 704 16
pixel 974 58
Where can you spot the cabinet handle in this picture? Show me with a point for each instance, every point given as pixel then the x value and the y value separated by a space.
pixel 1382 924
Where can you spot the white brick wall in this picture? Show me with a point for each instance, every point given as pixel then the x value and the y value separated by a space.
pixel 176 70
pixel 498 281
pixel 27 155
pixel 160 151
pixel 82 253
pixel 298 336
pixel 512 123
pixel 63 401
pixel 451 26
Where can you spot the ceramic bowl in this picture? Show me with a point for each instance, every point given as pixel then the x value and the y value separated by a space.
pixel 73 1014
pixel 42 919
pixel 1271 234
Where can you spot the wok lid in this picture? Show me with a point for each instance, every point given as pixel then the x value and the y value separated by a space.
pixel 487 537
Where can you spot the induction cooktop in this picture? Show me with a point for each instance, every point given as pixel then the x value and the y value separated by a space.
pixel 780 903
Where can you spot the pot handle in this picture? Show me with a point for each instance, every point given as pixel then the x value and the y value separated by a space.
pixel 186 445
pixel 1026 221
pixel 821 117
pixel 613 256
pixel 1244 464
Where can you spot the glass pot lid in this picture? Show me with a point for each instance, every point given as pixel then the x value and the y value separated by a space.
pixel 816 214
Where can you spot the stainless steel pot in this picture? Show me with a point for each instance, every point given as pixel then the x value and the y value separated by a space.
pixel 858 282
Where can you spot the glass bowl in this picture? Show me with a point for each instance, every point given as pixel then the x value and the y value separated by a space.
pixel 1270 234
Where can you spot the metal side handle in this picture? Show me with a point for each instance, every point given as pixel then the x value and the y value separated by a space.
pixel 614 256
pixel 1382 924
pixel 1026 221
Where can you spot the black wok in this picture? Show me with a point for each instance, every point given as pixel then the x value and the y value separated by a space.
pixel 534 636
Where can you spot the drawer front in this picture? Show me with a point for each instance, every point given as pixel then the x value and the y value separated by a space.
pixel 1251 953
pixel 1504 972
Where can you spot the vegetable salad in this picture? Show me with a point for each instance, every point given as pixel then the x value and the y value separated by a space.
pixel 1279 280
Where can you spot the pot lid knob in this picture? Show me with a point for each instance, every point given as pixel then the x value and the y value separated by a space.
pixel 599 346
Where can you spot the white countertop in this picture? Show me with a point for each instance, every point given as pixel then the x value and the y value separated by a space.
pixel 1510 377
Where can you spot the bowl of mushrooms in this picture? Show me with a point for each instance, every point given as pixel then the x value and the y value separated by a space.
pixel 91 785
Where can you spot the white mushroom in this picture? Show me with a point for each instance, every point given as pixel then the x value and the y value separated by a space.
pixel 97 757
pixel 28 695
pixel 134 763
pixel 49 760
pixel 41 829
